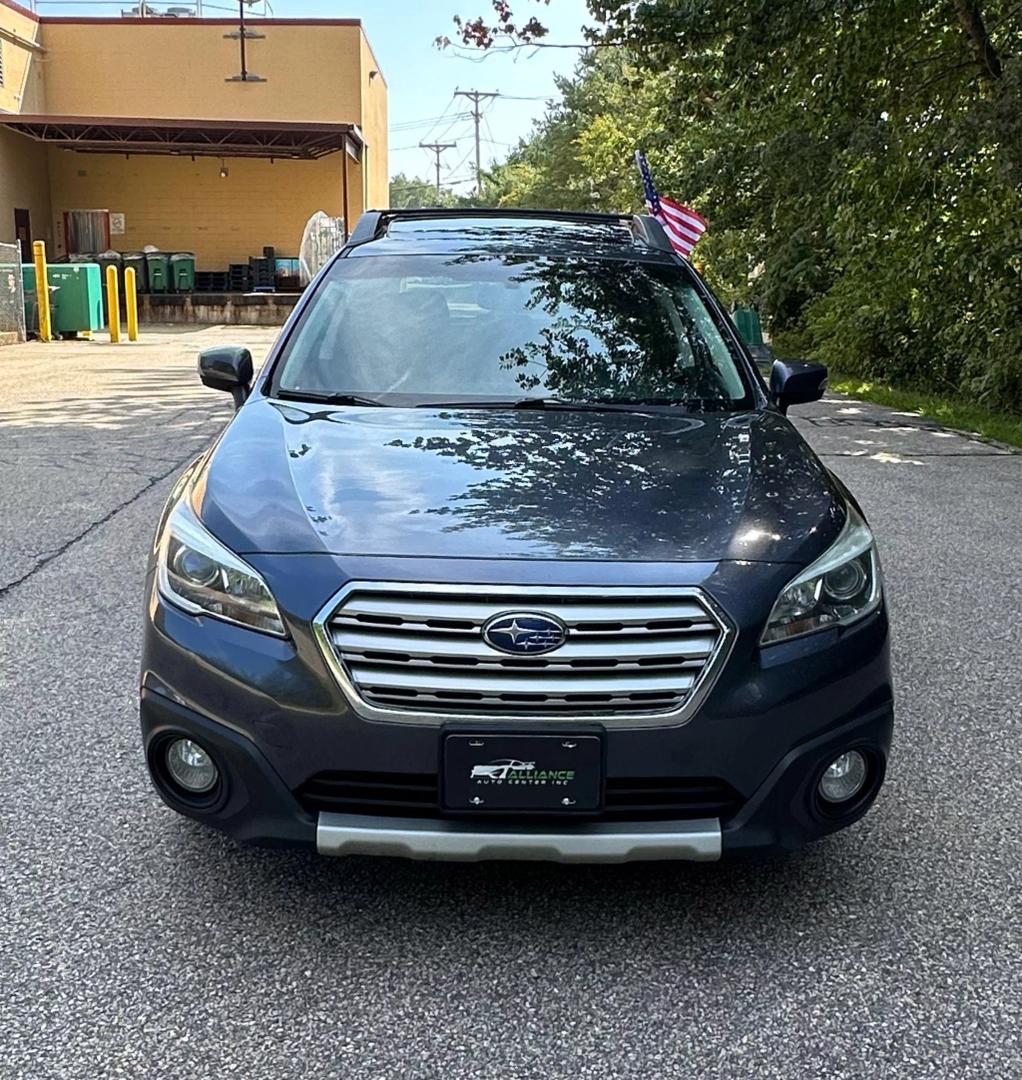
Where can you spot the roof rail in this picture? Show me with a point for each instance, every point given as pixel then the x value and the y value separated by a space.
pixel 645 230
pixel 366 228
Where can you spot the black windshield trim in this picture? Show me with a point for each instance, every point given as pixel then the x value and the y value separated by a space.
pixel 539 404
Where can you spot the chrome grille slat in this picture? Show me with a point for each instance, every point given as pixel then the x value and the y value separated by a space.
pixel 510 704
pixel 512 710
pixel 577 666
pixel 418 650
pixel 665 626
pixel 691 646
pixel 539 681
pixel 477 612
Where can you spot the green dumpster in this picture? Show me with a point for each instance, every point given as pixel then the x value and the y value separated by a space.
pixel 137 261
pixel 79 297
pixel 31 299
pixel 182 271
pixel 158 271
pixel 747 321
pixel 105 259
pixel 76 297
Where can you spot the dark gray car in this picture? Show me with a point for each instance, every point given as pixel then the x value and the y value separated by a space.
pixel 508 552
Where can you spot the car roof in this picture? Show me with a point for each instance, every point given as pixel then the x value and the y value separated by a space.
pixel 533 232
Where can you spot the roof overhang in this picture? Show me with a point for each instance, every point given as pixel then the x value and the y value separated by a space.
pixel 195 138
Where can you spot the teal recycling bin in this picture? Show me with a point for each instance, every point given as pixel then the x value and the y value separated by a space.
pixel 76 297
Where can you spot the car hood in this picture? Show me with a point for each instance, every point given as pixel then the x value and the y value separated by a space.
pixel 477 483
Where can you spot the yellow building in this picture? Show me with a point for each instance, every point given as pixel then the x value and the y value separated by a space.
pixel 151 120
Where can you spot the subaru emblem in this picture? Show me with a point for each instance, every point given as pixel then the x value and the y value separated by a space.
pixel 525 632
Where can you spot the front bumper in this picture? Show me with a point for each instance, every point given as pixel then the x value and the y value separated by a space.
pixel 258 807
pixel 457 841
pixel 275 717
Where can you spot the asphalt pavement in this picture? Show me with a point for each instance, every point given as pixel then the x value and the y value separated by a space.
pixel 134 943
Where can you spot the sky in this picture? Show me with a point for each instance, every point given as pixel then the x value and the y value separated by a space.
pixel 421 79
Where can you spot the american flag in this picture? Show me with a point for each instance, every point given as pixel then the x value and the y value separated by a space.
pixel 682 225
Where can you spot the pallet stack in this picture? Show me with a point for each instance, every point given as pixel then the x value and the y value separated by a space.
pixel 264 271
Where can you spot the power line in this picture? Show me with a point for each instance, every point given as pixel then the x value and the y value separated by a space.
pixel 438 148
pixel 408 125
pixel 458 118
pixel 475 96
pixel 491 139
pixel 454 119
pixel 451 172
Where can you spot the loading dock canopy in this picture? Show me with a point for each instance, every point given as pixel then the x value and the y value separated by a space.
pixel 198 138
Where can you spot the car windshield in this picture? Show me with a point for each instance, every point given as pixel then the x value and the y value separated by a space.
pixel 488 329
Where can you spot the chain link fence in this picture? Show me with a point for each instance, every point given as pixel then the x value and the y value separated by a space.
pixel 12 297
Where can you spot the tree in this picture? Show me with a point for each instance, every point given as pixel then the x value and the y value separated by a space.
pixel 860 162
pixel 412 192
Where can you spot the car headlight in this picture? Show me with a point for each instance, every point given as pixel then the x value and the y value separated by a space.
pixel 843 585
pixel 196 572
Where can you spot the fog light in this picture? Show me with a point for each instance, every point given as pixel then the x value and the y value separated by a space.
pixel 844 777
pixel 191 767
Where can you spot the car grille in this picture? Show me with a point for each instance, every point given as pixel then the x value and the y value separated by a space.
pixel 628 651
pixel 416 795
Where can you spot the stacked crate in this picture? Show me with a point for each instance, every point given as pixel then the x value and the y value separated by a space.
pixel 263 274
pixel 211 281
pixel 240 276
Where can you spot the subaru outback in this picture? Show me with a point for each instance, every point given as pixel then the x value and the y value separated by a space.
pixel 509 551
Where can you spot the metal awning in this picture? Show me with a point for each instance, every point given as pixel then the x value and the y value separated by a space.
pixel 197 138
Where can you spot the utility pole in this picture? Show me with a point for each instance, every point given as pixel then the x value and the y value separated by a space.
pixel 438 148
pixel 475 96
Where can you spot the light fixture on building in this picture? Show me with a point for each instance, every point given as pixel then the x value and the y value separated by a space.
pixel 223 170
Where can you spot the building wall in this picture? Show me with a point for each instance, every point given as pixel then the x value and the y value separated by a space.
pixel 22 87
pixel 177 204
pixel 23 171
pixel 178 68
pixel 23 184
pixel 374 127
pixel 314 71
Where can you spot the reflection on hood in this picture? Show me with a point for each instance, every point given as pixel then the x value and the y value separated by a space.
pixel 502 484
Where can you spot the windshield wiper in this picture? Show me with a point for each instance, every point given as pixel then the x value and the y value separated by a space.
pixel 329 399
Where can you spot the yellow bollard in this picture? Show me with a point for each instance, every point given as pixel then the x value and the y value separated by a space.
pixel 113 304
pixel 42 289
pixel 131 303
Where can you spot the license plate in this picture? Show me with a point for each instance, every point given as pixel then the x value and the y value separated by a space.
pixel 524 773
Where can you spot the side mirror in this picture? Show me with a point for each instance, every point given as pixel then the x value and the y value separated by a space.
pixel 792 383
pixel 227 367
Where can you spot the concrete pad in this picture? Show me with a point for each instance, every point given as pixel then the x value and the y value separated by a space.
pixel 86 426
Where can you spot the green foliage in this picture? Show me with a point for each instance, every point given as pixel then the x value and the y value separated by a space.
pixel 954 412
pixel 412 192
pixel 860 162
